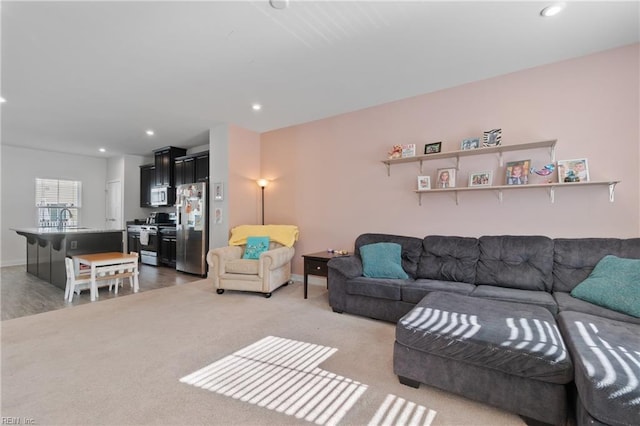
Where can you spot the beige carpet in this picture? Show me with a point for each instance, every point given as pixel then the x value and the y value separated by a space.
pixel 120 361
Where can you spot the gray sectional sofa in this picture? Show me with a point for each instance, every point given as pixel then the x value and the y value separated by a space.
pixel 531 275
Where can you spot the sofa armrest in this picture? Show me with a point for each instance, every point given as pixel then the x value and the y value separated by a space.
pixel 348 266
pixel 276 258
pixel 217 257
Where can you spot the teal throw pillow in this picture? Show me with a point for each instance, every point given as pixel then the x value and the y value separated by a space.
pixel 614 283
pixel 382 260
pixel 255 247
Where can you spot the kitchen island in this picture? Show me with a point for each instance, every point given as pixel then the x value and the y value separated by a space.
pixel 48 247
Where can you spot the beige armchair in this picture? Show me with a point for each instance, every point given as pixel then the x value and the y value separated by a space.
pixel 230 271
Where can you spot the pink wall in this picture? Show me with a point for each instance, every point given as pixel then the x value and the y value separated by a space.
pixel 329 180
pixel 244 170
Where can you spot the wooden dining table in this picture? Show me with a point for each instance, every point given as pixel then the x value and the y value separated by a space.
pixel 95 260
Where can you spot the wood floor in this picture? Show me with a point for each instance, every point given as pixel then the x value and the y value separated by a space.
pixel 23 294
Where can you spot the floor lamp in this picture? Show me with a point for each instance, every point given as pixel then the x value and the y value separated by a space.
pixel 262 183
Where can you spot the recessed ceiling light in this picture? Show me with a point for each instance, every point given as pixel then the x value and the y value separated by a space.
pixel 2 100
pixel 102 150
pixel 279 4
pixel 150 132
pixel 552 10
pixel 256 107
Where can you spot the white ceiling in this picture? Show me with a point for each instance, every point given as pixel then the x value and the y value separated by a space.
pixel 82 75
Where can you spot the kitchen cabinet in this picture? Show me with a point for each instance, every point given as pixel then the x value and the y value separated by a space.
pixel 164 159
pixel 147 181
pixel 192 168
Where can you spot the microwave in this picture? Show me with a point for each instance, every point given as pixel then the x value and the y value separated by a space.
pixel 160 196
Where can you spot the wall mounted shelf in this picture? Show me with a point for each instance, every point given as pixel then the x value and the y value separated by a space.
pixel 499 150
pixel 551 187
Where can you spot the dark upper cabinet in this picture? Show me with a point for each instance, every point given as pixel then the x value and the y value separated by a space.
pixel 164 162
pixel 147 181
pixel 202 167
pixel 192 168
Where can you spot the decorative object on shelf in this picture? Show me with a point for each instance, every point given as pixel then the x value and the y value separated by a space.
pixel 545 171
pixel 481 178
pixel 492 137
pixel 433 148
pixel 576 170
pixel 446 178
pixel 396 152
pixel 518 172
pixel 471 143
pixel 218 191
pixel 424 183
pixel 409 150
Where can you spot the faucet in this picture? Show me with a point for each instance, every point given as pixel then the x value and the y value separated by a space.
pixel 61 220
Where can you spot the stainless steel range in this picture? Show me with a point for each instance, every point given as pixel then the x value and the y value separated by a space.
pixel 145 238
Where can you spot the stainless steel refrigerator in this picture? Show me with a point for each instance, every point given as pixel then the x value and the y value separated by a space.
pixel 192 234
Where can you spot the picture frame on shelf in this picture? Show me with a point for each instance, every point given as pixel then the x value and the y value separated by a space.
pixel 517 172
pixel 218 191
pixel 446 178
pixel 424 183
pixel 492 137
pixel 471 143
pixel 576 170
pixel 484 178
pixel 409 150
pixel 433 148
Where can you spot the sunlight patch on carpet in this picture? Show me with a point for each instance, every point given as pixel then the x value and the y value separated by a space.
pixel 283 375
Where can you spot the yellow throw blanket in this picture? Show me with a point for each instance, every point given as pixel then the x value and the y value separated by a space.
pixel 286 235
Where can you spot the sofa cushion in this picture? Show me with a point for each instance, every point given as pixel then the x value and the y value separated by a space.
pixel 614 283
pixel 575 258
pixel 449 258
pixel 380 288
pixel 606 355
pixel 513 338
pixel 242 266
pixel 522 262
pixel 533 297
pixel 382 260
pixel 411 248
pixel 414 292
pixel 255 247
pixel 566 302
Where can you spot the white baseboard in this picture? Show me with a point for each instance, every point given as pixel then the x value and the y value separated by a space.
pixel 12 263
pixel 313 280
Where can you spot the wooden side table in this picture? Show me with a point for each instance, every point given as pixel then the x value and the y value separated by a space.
pixel 316 264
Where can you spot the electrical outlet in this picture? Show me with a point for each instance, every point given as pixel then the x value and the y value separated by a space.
pixel 74 245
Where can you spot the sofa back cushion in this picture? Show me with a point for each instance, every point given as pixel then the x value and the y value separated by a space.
pixel 575 258
pixel 522 262
pixel 449 258
pixel 411 249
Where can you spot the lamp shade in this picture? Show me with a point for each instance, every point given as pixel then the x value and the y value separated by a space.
pixel 262 182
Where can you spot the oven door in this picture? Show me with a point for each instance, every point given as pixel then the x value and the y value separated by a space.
pixel 149 245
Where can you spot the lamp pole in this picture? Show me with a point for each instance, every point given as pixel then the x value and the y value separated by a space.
pixel 262 183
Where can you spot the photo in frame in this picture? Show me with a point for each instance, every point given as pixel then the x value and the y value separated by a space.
pixel 518 172
pixel 433 148
pixel 409 150
pixel 424 183
pixel 484 178
pixel 576 170
pixel 492 137
pixel 446 178
pixel 218 191
pixel 471 143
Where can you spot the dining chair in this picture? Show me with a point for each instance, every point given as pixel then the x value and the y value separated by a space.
pixel 74 282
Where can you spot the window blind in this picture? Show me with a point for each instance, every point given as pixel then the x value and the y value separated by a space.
pixel 58 193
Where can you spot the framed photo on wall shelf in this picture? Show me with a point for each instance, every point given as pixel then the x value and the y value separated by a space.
pixel 576 170
pixel 518 172
pixel 481 178
pixel 492 137
pixel 433 148
pixel 424 183
pixel 446 178
pixel 471 143
pixel 409 150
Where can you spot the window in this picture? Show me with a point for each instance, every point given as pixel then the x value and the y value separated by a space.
pixel 53 196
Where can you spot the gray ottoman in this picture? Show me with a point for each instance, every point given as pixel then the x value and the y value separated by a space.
pixel 509 355
pixel 607 368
